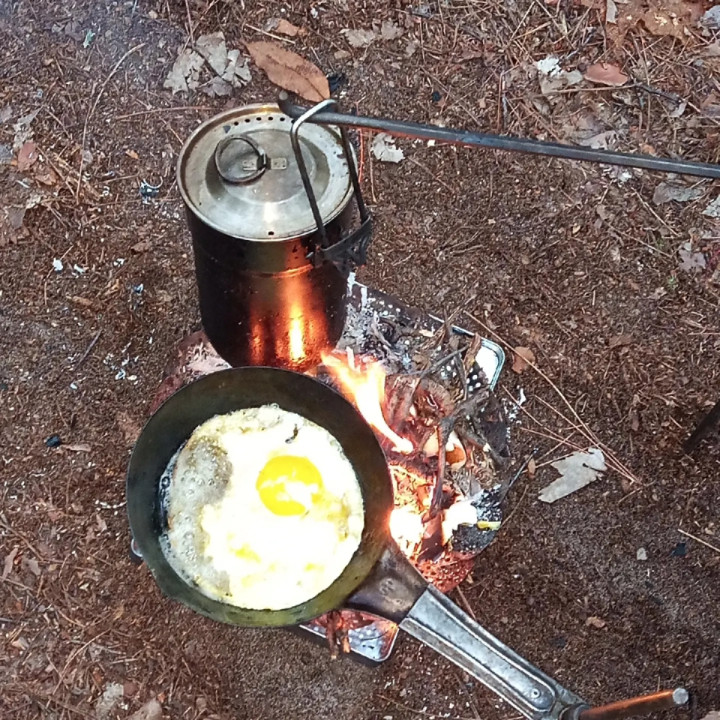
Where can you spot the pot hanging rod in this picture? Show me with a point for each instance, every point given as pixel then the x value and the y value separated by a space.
pixel 468 138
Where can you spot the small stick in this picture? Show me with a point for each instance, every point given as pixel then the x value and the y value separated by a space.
pixel 372 174
pixel 89 349
pixel 506 522
pixel 361 162
pixel 92 110
pixel 539 462
pixel 555 438
pixel 442 432
pixel 190 25
pixel 504 491
pixel 465 603
pixel 153 111
pixel 618 466
pixel 269 34
pixel 700 540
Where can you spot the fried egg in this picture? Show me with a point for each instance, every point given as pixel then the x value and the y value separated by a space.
pixel 264 509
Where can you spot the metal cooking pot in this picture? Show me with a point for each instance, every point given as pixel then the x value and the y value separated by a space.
pixel 378 579
pixel 268 202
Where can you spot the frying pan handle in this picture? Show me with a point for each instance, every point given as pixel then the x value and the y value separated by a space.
pixel 440 624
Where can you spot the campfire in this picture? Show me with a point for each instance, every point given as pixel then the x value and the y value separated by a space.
pixel 441 463
pixel 421 385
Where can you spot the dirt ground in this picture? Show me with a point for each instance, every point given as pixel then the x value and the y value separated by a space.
pixel 616 292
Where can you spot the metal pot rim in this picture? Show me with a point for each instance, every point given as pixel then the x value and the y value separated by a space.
pixel 337 204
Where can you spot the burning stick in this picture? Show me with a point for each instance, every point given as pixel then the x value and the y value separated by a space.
pixel 445 426
pixel 337 634
pixel 443 431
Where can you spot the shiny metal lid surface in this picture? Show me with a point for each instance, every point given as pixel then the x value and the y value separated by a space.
pixel 238 174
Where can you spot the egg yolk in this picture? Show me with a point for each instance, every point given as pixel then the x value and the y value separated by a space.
pixel 289 485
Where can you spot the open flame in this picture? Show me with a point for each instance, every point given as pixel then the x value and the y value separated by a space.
pixel 365 386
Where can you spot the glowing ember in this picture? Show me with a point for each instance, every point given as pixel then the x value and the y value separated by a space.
pixel 365 386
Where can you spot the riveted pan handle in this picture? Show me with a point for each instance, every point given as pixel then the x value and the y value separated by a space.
pixel 440 624
pixel 396 591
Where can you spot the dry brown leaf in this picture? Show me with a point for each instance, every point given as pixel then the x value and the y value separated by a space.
pixel 596 622
pixel 45 176
pixel 32 565
pixel 628 16
pixel 619 341
pixel 140 247
pixel 284 27
pixel 671 17
pixel 606 74
pixel 290 71
pixel 27 155
pixel 523 357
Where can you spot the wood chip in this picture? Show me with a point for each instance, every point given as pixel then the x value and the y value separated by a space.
pixel 619 341
pixel 284 27
pixel 83 302
pixel 9 560
pixel 596 622
pixel 531 468
pixel 289 70
pixel 522 359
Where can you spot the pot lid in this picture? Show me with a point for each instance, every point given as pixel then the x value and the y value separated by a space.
pixel 237 173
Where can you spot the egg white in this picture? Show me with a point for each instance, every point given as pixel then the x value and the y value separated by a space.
pixel 223 538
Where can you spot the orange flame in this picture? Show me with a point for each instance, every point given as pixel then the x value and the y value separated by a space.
pixel 365 386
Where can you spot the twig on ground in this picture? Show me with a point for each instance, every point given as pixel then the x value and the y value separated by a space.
pixel 551 451
pixel 89 348
pixel 370 161
pixel 154 111
pixel 423 713
pixel 464 602
pixel 612 461
pixel 191 32
pixel 506 521
pixel 92 110
pixel 700 540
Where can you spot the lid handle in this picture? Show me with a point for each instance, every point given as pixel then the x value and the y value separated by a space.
pixel 239 159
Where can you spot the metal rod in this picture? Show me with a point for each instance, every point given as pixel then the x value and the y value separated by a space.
pixel 304 116
pixel 525 145
pixel 643 705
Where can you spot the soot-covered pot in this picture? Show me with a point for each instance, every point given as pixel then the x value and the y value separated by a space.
pixel 269 206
